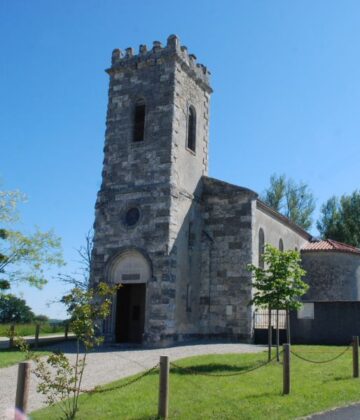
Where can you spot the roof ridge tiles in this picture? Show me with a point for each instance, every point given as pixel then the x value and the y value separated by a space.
pixel 330 245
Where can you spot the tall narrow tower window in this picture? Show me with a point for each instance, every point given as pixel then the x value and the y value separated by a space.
pixel 261 248
pixel 191 134
pixel 139 121
pixel 281 245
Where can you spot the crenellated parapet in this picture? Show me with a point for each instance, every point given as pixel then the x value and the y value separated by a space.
pixel 129 60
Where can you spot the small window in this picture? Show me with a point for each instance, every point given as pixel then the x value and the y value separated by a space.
pixel 188 298
pixel 261 248
pixel 139 122
pixel 281 245
pixel 132 216
pixel 191 134
pixel 306 311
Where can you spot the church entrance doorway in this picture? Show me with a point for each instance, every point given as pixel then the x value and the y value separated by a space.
pixel 130 314
pixel 132 270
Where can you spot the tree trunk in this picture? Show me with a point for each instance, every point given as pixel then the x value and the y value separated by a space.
pixel 288 336
pixel 269 334
pixel 277 336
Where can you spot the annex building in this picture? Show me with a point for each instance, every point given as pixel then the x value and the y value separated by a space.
pixel 177 240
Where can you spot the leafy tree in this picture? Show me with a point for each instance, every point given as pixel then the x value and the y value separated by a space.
pixel 60 379
pixel 41 318
pixel 340 219
pixel 24 257
pixel 293 200
pixel 14 309
pixel 8 205
pixel 278 285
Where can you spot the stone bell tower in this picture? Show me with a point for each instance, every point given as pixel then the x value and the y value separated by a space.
pixel 155 154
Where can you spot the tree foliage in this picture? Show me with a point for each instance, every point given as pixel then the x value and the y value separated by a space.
pixel 59 379
pixel 340 219
pixel 9 205
pixel 41 318
pixel 279 283
pixel 293 200
pixel 24 257
pixel 14 309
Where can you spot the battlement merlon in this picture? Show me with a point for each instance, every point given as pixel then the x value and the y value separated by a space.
pixel 173 50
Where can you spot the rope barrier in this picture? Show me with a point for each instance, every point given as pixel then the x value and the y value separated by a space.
pixel 194 372
pixel 321 361
pixel 113 388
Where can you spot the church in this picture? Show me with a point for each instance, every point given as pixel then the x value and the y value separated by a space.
pixel 178 241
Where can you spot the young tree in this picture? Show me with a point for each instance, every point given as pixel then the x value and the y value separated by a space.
pixel 81 278
pixel 60 380
pixel 293 200
pixel 14 309
pixel 340 219
pixel 24 257
pixel 278 285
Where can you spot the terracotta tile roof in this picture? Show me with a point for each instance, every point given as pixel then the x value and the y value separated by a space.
pixel 329 245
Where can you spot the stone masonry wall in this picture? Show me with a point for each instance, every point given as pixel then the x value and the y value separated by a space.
pixel 332 276
pixel 149 174
pixel 188 168
pixel 276 227
pixel 227 249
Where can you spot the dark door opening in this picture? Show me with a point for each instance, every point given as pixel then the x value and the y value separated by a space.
pixel 130 313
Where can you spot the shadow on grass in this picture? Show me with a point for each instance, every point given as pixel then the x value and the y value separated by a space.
pixel 12 350
pixel 337 378
pixel 266 395
pixel 212 368
pixel 15 350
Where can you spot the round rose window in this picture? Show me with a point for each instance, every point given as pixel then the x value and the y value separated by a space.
pixel 132 216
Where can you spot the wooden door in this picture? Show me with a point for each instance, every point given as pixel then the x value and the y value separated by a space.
pixel 130 313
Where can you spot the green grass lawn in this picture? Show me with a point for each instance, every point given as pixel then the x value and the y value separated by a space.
pixel 29 329
pixel 10 357
pixel 255 395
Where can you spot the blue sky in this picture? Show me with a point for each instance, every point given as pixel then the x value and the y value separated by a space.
pixel 286 98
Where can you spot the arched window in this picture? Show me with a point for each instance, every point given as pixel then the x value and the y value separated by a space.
pixel 261 247
pixel 281 245
pixel 188 298
pixel 139 121
pixel 191 132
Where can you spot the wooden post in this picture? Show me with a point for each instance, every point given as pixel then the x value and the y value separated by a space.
pixel 286 369
pixel 269 334
pixel 66 330
pixel 355 353
pixel 12 334
pixel 277 337
pixel 164 387
pixel 288 336
pixel 37 333
pixel 22 390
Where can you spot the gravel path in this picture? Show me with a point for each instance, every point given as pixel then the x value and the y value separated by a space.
pixel 111 363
